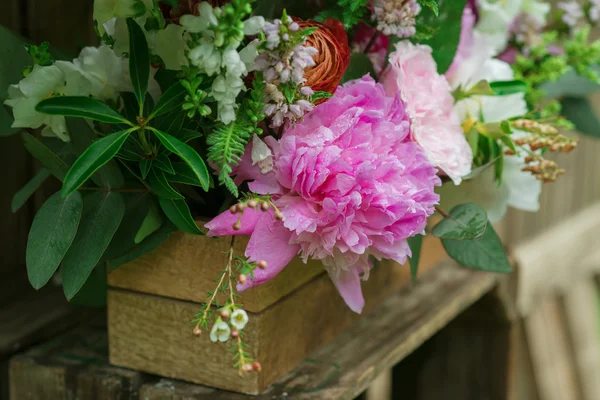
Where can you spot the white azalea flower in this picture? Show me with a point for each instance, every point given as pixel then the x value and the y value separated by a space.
pixel 518 189
pixel 103 69
pixel 239 319
pixel 220 332
pixel 261 155
pixel 61 78
pixel 170 45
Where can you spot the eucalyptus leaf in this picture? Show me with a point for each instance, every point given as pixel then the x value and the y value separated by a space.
pixel 161 186
pixel 139 60
pixel 188 155
pixel 21 197
pixel 80 107
pixel 49 159
pixel 52 232
pixel 98 154
pixel 171 100
pixel 571 84
pixel 580 112
pixel 464 222
pixel 485 253
pixel 415 243
pixel 102 214
pixel 178 212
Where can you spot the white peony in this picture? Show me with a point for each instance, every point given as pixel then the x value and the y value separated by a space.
pixel 518 189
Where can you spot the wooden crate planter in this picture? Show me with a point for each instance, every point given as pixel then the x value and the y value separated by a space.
pixel 152 300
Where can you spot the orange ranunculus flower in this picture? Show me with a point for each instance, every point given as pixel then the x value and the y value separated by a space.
pixel 334 54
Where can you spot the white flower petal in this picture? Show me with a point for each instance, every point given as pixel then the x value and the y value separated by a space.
pixel 239 319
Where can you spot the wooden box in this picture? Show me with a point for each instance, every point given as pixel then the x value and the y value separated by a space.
pixel 152 300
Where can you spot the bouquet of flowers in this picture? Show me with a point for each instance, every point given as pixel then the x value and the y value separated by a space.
pixel 328 129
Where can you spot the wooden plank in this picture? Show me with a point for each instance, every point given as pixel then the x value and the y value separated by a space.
pixel 582 312
pixel 349 364
pixel 552 360
pixel 153 334
pixel 30 318
pixel 185 267
pixel 73 366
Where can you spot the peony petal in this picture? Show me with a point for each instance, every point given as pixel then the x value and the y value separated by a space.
pixel 269 242
pixel 348 284
pixel 222 224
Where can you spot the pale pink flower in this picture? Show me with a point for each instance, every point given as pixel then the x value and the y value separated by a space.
pixel 350 184
pixel 429 103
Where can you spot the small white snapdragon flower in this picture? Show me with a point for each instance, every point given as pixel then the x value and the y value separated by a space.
pixel 261 155
pixel 198 24
pixel 104 10
pixel 220 332
pixel 239 319
pixel 254 25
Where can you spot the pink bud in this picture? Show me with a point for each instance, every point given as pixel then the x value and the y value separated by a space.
pixel 233 209
pixel 224 314
pixel 264 206
pixel 262 264
pixel 256 366
pixel 247 367
pixel 252 203
pixel 197 332
pixel 235 333
pixel 242 279
pixel 237 226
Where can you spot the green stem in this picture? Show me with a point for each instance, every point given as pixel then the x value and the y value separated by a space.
pixel 144 142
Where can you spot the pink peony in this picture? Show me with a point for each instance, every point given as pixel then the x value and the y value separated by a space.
pixel 350 184
pixel 429 103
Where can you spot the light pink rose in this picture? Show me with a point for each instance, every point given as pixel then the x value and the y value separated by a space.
pixel 429 103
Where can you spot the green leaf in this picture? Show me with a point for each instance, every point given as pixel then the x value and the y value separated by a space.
pixel 185 135
pixel 163 163
pixel 172 99
pixel 172 123
pixel 184 174
pixel 102 214
pixel 6 121
pixel 360 65
pixel 151 224
pixel 149 244
pixel 188 155
pixel 55 165
pixel 580 112
pixel 82 137
pixel 145 167
pixel 80 107
pixel 444 42
pixel 503 88
pixel 415 243
pixel 485 253
pixel 160 185
pixel 52 233
pixel 98 154
pixel 139 60
pixel 571 84
pixel 178 212
pixel 13 59
pixel 465 222
pixel 30 187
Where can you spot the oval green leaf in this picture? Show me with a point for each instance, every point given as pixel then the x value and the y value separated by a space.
pixel 188 155
pixel 465 222
pixel 503 88
pixel 485 253
pixel 415 243
pixel 184 174
pixel 173 98
pixel 151 223
pixel 139 60
pixel 178 212
pixel 52 232
pixel 98 154
pixel 21 197
pixel 103 212
pixel 46 156
pixel 80 107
